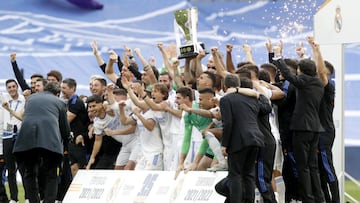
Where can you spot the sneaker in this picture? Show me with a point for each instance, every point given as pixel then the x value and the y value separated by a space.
pixel 12 201
pixel 218 167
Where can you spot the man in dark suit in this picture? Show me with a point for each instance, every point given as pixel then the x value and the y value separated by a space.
pixel 45 126
pixel 306 126
pixel 241 141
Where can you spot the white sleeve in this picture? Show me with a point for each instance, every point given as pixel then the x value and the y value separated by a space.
pixel 268 92
pixel 115 108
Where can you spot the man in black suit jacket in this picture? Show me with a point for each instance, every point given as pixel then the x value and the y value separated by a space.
pixel 241 141
pixel 44 128
pixel 306 126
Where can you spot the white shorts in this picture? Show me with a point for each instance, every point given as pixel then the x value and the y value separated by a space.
pixel 128 152
pixel 171 159
pixel 150 162
pixel 279 158
pixel 172 153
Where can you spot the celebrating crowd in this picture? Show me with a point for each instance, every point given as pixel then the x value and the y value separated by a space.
pixel 261 123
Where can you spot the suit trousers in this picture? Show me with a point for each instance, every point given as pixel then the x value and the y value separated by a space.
pixel 289 170
pixel 305 146
pixel 328 178
pixel 65 178
pixel 264 170
pixel 31 161
pixel 239 185
pixel 291 177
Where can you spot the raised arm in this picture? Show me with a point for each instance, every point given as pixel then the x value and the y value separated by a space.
pixel 270 50
pixel 146 65
pixel 177 78
pixel 248 53
pixel 110 95
pixel 109 70
pixel 130 62
pixel 217 61
pixel 320 64
pixel 197 67
pixel 166 60
pixel 187 72
pixel 300 51
pixel 285 72
pixel 127 85
pixel 18 75
pixel 229 62
pixel 221 57
pixel 98 57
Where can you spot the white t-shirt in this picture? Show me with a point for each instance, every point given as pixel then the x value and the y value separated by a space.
pixel 164 120
pixel 107 122
pixel 9 121
pixel 268 92
pixel 124 139
pixel 172 96
pixel 150 141
pixel 176 127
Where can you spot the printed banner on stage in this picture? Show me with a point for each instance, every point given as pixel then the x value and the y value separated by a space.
pixel 121 186
pixel 198 186
pixel 112 186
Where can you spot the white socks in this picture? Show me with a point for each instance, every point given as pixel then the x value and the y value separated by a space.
pixel 280 187
pixel 215 146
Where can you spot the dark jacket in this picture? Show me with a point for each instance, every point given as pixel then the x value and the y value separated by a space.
pixel 44 124
pixel 240 121
pixel 309 92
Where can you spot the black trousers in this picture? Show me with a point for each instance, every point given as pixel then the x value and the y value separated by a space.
pixel 328 178
pixel 10 164
pixel 264 169
pixel 30 161
pixel 105 161
pixel 65 178
pixel 239 185
pixel 3 195
pixel 291 177
pixel 305 146
pixel 289 170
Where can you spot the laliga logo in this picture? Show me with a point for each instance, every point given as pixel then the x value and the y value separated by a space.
pixel 338 20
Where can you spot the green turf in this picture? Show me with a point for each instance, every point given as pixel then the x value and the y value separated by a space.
pixel 353 190
pixel 350 188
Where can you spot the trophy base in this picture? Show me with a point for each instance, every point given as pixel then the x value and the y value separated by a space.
pixel 188 51
pixel 187 55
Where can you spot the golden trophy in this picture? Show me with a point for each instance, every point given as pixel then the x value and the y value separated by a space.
pixel 186 21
